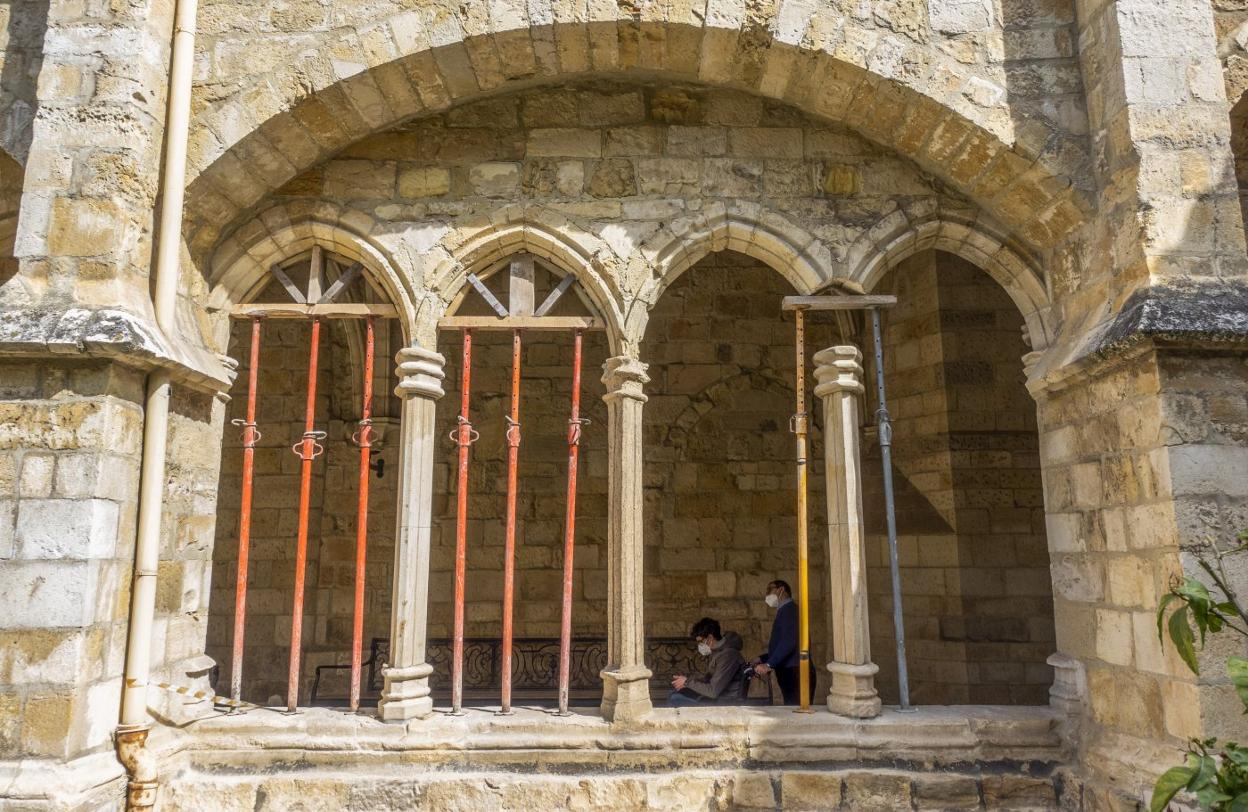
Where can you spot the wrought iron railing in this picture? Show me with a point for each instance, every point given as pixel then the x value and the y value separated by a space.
pixel 535 665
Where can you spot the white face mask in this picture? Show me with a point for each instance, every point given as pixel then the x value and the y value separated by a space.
pixel 772 600
pixel 704 649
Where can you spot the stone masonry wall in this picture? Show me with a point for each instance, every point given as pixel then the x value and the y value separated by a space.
pixel 69 466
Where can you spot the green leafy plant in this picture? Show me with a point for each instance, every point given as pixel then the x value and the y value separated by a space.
pixel 1216 774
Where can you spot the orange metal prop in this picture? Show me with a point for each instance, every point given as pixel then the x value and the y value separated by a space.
pixel 569 536
pixel 464 437
pixel 364 438
pixel 250 438
pixel 308 449
pixel 509 549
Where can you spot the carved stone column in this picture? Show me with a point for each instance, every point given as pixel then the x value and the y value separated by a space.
pixel 626 680
pixel 838 371
pixel 406 691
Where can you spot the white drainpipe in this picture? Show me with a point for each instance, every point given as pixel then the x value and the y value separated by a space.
pixel 135 725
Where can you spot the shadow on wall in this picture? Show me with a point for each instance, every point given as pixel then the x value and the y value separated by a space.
pixel 25 28
pixel 971 532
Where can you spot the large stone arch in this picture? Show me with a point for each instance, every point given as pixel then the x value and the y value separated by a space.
pixel 897 237
pixel 478 243
pixel 892 90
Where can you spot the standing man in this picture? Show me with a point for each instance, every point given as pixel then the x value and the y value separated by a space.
pixel 782 655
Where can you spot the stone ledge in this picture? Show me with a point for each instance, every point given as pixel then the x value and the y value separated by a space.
pixel 1201 316
pixel 109 333
pixel 693 738
pixel 1197 315
pixel 88 782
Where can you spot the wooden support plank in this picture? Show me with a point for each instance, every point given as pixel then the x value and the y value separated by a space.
pixel 348 276
pixel 521 295
pixel 521 323
pixel 488 295
pixel 287 283
pixel 316 274
pixel 836 302
pixel 346 310
pixel 555 294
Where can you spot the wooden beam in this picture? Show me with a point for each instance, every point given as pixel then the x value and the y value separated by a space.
pixel 553 298
pixel 345 278
pixel 836 302
pixel 346 310
pixel 287 283
pixel 316 275
pixel 486 294
pixel 521 323
pixel 521 296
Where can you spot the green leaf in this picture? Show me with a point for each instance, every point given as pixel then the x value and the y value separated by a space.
pixel 1206 774
pixel 1166 600
pixel 1239 804
pixel 1237 670
pixel 1171 781
pixel 1183 639
pixel 1210 797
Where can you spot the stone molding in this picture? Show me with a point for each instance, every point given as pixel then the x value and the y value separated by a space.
pixel 624 377
pixel 838 369
pixel 116 335
pixel 420 373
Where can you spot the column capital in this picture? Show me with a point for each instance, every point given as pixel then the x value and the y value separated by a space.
pixel 624 377
pixel 838 369
pixel 420 373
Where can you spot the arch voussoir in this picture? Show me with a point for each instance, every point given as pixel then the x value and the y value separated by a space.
pixel 902 95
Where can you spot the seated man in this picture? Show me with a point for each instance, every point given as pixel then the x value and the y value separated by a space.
pixel 722 682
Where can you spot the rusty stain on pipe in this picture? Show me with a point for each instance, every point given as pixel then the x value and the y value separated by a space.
pixel 569 534
pixel 509 546
pixel 464 436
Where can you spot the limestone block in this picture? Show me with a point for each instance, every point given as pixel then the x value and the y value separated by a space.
pixel 755 790
pixel 946 792
pixel 1018 792
pixel 66 528
pixel 84 227
pixel 611 178
pixel 547 177
pixel 878 790
pixel 8 519
pixel 360 179
pixel 423 181
pixel 610 109
pixel 36 477
pixel 495 179
pixel 633 141
pixel 564 142
pixel 770 142
pixel 46 720
pixel 839 180
pixel 54 593
pixel 800 790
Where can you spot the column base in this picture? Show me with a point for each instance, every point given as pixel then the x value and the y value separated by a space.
pixel 853 691
pixel 406 694
pixel 1070 684
pixel 626 694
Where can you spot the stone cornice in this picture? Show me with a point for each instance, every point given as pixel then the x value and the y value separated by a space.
pixel 111 334
pixel 1211 317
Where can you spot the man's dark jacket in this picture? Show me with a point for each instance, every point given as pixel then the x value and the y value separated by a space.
pixel 723 676
pixel 782 647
